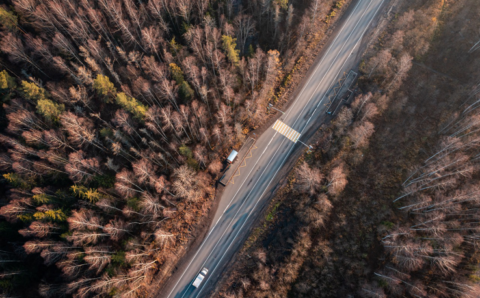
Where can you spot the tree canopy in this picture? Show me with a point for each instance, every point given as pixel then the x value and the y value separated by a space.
pixel 130 104
pixel 33 92
pixel 6 81
pixel 104 87
pixel 49 109
pixel 230 47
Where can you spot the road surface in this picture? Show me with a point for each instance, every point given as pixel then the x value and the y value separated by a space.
pixel 241 199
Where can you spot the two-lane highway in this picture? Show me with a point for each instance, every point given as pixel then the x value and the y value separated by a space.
pixel 240 200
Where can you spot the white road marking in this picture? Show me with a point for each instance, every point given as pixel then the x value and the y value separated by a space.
pixel 286 131
pixel 213 228
pixel 351 52
pixel 299 96
pixel 281 164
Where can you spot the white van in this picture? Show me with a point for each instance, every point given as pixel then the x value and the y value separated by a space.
pixel 200 277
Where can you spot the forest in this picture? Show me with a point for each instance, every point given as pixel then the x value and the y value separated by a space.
pixel 387 203
pixel 116 117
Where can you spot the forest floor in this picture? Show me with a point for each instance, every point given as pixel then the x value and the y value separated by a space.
pixel 437 85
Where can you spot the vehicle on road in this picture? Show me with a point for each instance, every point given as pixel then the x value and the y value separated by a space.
pixel 200 277
pixel 252 179
pixel 232 156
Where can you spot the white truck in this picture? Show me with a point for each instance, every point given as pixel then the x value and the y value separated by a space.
pixel 200 277
pixel 232 156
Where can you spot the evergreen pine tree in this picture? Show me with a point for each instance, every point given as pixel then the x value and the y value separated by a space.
pixel 185 91
pixel 6 81
pixel 229 46
pixel 104 87
pixel 49 109
pixel 177 73
pixel 8 19
pixel 130 104
pixel 32 92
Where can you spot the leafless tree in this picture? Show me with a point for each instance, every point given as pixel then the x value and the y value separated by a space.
pixel 201 155
pixel 53 254
pixel 150 205
pixel 40 230
pixel 157 8
pixel 114 10
pixel 360 134
pixel 337 180
pixel 168 91
pixel 379 62
pixel 371 291
pixel 254 70
pixel 164 238
pixel 245 27
pixel 369 111
pixel 80 238
pixel 84 219
pixel 343 119
pixel 403 66
pixel 184 9
pixel 116 228
pixel 80 168
pixel 126 184
pixel 151 38
pixel 39 48
pixel 144 172
pixel 80 130
pixel 98 261
pixel 188 185
pixel 13 46
pixel 308 179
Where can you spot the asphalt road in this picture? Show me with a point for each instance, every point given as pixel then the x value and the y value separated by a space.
pixel 240 201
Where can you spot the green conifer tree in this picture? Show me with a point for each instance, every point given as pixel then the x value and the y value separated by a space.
pixel 51 215
pixel 282 3
pixel 32 92
pixel 40 199
pixel 130 104
pixel 229 46
pixel 49 109
pixel 185 91
pixel 104 87
pixel 8 20
pixel 174 46
pixel 6 81
pixel 17 181
pixel 251 51
pixel 177 73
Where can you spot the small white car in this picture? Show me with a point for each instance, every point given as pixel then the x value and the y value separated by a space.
pixel 200 277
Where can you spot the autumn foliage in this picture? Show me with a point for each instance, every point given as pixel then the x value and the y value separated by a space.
pixel 117 117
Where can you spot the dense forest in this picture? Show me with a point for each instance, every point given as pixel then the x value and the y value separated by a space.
pixel 387 204
pixel 115 118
